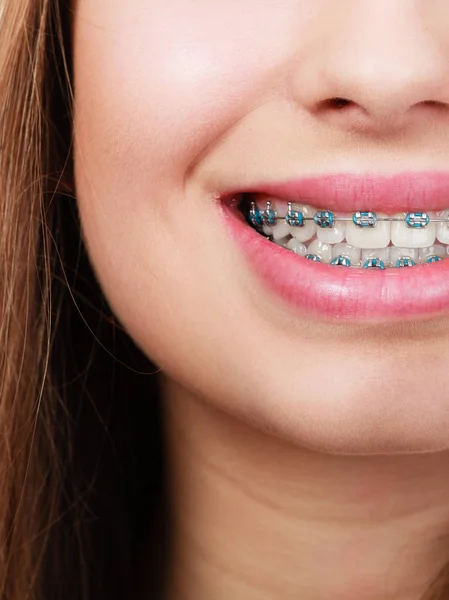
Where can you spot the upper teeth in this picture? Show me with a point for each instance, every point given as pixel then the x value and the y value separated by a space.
pixel 362 229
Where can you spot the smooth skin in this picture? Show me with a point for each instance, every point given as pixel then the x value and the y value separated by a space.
pixel 308 459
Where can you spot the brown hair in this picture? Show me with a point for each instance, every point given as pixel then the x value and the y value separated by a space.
pixel 79 469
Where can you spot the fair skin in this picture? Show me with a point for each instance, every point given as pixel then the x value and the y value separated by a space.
pixel 259 518
pixel 308 457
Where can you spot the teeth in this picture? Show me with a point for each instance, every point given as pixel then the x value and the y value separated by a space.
pixel 332 235
pixel 443 228
pixel 308 230
pixel 403 239
pixel 369 238
pixel 398 253
pixel 324 251
pixel 267 215
pixel 409 237
pixel 436 250
pixel 354 254
pixel 280 230
pixel 296 247
pixel 376 263
pixel 283 241
pixel 382 253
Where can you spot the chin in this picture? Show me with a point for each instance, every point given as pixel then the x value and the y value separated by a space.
pixel 398 413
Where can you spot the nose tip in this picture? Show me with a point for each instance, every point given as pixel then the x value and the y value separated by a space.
pixel 376 75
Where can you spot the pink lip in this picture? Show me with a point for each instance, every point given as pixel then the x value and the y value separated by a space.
pixel 350 294
pixel 346 192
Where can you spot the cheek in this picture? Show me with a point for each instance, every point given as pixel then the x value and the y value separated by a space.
pixel 157 85
pixel 157 82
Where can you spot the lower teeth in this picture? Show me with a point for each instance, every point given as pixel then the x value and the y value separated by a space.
pixel 345 255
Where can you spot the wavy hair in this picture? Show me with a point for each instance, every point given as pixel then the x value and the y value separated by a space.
pixel 80 468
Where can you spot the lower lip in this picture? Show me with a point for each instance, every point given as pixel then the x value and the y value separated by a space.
pixel 342 293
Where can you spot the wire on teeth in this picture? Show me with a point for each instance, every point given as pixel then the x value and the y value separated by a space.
pixel 342 261
pixel 267 218
pixel 327 219
pixel 405 262
pixel 374 263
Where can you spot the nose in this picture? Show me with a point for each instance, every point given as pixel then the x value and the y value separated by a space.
pixel 378 66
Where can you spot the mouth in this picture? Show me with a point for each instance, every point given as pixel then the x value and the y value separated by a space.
pixel 364 239
pixel 349 247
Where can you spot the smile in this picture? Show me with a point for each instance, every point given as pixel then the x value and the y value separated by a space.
pixel 364 239
pixel 347 253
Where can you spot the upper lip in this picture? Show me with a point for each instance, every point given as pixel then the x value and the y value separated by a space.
pixel 415 191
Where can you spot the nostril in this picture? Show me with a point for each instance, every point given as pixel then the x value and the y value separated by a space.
pixel 337 102
pixel 332 105
pixel 434 104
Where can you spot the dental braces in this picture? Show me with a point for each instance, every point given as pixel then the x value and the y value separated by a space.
pixel 326 219
pixel 372 263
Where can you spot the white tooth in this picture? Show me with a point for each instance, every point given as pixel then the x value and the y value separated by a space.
pixel 270 229
pixel 354 254
pixel 397 253
pixel 267 230
pixel 381 253
pixel 435 250
pixel 296 247
pixel 369 237
pixel 443 228
pixel 411 237
pixel 302 234
pixel 324 251
pixel 280 230
pixel 332 235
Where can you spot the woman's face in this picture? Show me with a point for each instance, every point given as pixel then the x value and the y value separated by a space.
pixel 181 102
